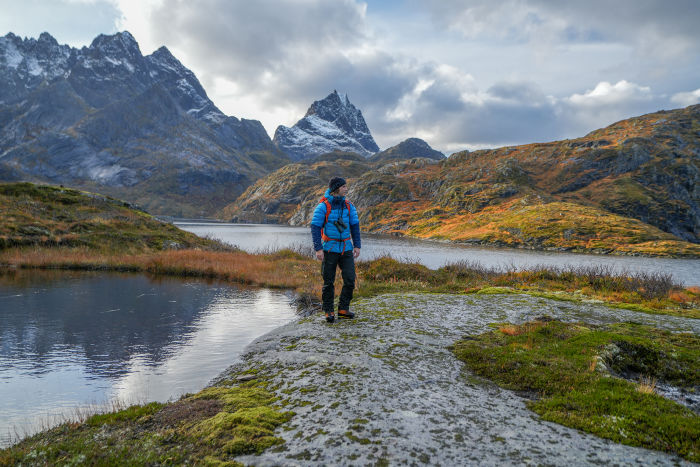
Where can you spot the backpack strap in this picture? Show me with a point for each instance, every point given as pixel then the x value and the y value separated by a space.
pixel 328 209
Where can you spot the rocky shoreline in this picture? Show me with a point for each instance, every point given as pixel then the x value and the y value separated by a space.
pixel 384 389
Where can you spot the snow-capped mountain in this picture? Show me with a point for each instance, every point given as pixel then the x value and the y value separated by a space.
pixel 106 117
pixel 331 124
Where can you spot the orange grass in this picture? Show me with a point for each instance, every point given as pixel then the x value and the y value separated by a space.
pixel 511 330
pixel 647 385
pixel 237 266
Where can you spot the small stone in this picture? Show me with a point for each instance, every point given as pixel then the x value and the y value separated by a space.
pixel 243 378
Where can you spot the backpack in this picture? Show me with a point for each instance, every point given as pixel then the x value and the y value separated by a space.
pixel 325 237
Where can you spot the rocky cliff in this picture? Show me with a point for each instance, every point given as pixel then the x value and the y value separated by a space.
pixel 632 183
pixel 290 194
pixel 107 118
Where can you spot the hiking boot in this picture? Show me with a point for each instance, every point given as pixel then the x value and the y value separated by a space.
pixel 346 314
pixel 330 316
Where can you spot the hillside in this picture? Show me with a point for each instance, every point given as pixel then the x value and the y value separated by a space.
pixel 47 216
pixel 106 118
pixel 630 188
pixel 288 193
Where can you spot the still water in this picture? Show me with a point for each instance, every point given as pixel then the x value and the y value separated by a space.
pixel 71 342
pixel 256 237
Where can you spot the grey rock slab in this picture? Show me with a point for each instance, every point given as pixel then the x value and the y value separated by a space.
pixel 385 388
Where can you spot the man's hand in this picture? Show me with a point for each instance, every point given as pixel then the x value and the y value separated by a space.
pixel 319 255
pixel 356 252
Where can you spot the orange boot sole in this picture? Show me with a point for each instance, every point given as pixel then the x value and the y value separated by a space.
pixel 345 314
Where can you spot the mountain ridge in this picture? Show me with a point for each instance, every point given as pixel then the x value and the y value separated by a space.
pixel 106 118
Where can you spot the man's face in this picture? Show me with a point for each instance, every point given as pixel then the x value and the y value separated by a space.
pixel 343 190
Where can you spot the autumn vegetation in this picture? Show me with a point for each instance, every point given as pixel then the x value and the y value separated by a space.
pixel 627 189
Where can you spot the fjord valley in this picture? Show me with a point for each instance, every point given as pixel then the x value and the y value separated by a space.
pixel 107 119
pixel 549 365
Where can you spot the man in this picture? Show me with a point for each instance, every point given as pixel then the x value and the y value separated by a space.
pixel 335 229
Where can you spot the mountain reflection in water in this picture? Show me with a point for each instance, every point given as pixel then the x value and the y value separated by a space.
pixel 69 340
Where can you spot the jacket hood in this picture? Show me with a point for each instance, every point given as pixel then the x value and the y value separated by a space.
pixel 332 198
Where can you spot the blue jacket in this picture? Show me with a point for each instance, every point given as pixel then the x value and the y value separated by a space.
pixel 348 238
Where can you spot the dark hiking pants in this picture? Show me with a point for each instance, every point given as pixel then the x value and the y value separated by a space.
pixel 346 262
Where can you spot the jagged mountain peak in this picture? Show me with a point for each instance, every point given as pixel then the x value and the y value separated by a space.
pixel 330 124
pixel 46 38
pixel 335 108
pixel 119 42
pixel 165 60
pixel 163 53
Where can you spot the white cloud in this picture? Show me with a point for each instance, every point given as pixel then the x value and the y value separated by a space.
pixel 605 94
pixel 684 99
pixel 270 60
pixel 664 29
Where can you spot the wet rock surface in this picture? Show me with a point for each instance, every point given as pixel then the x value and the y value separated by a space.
pixel 385 389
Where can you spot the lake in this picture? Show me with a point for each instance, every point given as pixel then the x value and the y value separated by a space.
pixel 256 237
pixel 77 342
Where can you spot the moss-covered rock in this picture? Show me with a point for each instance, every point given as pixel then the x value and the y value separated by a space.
pixel 556 362
pixel 212 426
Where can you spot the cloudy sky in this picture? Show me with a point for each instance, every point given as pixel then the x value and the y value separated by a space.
pixel 461 74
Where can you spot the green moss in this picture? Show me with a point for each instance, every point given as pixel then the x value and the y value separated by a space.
pixel 183 432
pixel 245 431
pixel 558 362
pixel 247 395
pixel 635 307
pixel 357 439
pixel 495 290
pixel 132 413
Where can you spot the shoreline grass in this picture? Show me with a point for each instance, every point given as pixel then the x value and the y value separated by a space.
pixel 293 269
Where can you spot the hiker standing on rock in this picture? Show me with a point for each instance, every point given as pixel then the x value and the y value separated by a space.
pixel 335 229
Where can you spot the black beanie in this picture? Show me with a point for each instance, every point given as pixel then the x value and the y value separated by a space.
pixel 335 183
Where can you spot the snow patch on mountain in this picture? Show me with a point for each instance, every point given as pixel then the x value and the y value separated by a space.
pixel 13 57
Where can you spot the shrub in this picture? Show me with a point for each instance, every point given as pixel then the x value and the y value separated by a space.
pixel 385 268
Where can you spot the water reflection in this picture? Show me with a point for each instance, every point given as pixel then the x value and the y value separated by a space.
pixel 74 339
